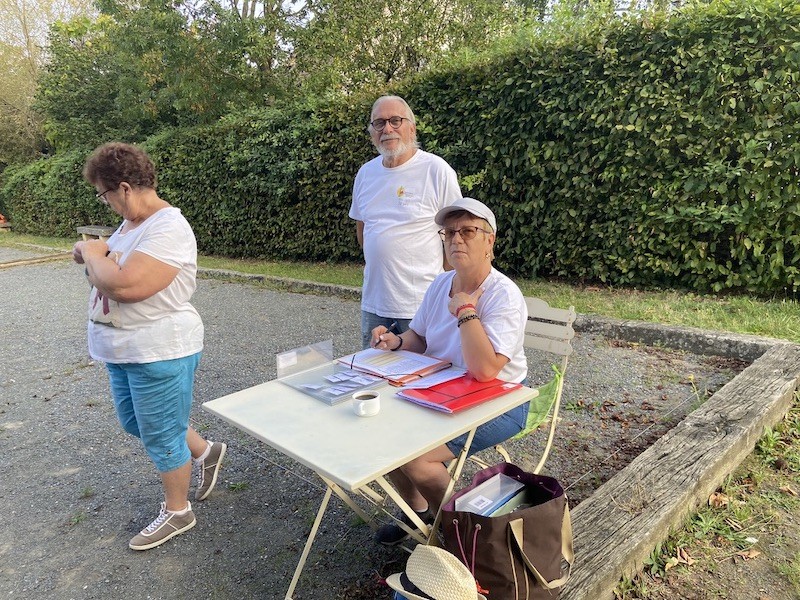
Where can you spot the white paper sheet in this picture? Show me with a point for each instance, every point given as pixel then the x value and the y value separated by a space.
pixel 435 379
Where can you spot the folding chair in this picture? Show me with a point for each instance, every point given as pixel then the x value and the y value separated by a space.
pixel 550 330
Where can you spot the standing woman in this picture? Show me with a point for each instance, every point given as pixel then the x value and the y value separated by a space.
pixel 143 327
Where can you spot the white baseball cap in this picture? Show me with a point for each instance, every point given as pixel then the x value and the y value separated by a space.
pixel 472 206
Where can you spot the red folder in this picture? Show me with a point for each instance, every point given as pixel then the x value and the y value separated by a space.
pixel 458 394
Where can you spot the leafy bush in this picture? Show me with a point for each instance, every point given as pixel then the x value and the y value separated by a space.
pixel 50 197
pixel 658 150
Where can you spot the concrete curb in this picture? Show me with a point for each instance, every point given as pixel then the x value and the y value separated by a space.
pixel 690 339
pixel 286 284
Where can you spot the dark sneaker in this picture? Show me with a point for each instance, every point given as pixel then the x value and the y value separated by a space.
pixel 167 525
pixel 392 534
pixel 209 469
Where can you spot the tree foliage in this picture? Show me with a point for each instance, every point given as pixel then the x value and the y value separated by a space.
pixel 23 31
pixel 148 65
pixel 656 150
pixel 351 43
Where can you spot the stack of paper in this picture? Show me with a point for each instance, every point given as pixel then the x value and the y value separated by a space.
pixel 489 496
pixel 398 368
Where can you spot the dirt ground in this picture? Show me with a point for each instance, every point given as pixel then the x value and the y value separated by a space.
pixel 75 488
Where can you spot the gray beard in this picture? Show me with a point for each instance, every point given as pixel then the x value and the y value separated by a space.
pixel 399 150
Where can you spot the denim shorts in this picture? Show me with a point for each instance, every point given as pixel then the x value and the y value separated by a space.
pixel 153 401
pixel 370 321
pixel 493 432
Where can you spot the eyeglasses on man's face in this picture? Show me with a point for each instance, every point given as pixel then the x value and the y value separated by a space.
pixel 395 122
pixel 467 232
pixel 102 195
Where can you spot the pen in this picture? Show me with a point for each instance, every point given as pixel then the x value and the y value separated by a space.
pixel 391 329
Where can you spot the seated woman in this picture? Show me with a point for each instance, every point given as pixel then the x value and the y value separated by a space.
pixel 473 316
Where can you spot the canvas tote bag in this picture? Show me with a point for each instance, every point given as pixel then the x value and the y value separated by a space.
pixel 523 555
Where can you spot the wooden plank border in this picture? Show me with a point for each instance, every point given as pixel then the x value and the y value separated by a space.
pixel 618 526
pixel 35 260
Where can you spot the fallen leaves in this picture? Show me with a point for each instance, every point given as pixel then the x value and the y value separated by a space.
pixel 681 558
pixel 718 500
pixel 748 554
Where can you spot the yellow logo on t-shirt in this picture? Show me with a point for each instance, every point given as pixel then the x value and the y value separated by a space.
pixel 401 191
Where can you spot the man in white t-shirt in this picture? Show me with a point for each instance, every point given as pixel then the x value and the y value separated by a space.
pixel 395 198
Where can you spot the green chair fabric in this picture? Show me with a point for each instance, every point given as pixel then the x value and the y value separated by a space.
pixel 541 406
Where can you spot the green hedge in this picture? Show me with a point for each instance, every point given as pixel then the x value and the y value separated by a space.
pixel 50 197
pixel 647 151
pixel 269 184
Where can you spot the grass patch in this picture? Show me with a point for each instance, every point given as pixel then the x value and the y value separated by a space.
pixel 77 518
pixel 741 314
pixel 338 274
pixel 791 571
pixel 753 505
pixel 24 241
pixel 776 318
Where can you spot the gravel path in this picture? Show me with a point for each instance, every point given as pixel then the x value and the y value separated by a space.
pixel 74 487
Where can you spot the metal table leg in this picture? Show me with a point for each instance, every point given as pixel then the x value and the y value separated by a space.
pixel 309 542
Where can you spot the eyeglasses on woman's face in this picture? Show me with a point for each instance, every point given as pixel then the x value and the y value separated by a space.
pixel 102 195
pixel 395 122
pixel 467 232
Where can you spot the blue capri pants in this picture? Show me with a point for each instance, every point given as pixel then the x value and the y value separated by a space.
pixel 153 401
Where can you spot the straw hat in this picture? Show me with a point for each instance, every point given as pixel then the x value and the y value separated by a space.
pixel 434 574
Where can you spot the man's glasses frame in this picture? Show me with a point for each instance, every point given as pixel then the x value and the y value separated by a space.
pixel 395 122
pixel 467 233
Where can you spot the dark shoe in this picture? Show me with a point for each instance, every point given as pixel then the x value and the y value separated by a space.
pixel 392 534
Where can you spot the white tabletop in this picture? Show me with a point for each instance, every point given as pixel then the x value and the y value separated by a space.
pixel 343 447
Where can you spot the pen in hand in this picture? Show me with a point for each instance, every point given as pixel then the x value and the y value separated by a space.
pixel 391 329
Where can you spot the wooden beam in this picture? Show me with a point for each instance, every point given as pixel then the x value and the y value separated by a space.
pixel 33 261
pixel 620 524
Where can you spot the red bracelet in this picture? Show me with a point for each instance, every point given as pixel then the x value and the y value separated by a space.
pixel 462 307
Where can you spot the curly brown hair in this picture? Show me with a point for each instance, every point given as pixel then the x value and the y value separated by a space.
pixel 115 162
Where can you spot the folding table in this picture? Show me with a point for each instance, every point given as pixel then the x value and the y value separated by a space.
pixel 349 452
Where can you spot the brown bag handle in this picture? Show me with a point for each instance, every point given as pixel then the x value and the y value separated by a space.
pixel 515 533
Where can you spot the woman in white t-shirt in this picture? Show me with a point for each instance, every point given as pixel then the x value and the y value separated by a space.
pixel 143 327
pixel 472 316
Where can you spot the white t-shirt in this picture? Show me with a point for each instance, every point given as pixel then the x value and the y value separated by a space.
pixel 402 250
pixel 163 326
pixel 503 314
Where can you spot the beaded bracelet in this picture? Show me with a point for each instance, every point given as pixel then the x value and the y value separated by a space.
pixel 463 306
pixel 467 312
pixel 463 320
pixel 400 345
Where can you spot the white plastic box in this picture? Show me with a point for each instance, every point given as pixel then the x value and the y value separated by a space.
pixel 490 495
